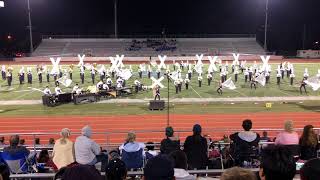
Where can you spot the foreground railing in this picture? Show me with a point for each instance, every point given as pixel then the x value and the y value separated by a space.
pixel 108 141
pixel 204 172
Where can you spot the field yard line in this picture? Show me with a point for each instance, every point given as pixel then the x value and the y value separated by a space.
pixel 286 93
pixel 24 95
pixel 195 91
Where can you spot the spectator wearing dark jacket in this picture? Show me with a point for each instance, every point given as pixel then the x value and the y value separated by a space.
pixel 196 149
pixel 308 143
pixel 245 143
pixel 171 143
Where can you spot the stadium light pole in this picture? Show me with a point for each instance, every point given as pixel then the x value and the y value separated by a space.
pixel 115 19
pixel 266 26
pixel 168 112
pixel 30 27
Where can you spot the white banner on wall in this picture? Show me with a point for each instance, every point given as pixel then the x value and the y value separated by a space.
pixel 308 53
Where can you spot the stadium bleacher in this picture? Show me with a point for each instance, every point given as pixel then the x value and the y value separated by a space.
pixel 180 47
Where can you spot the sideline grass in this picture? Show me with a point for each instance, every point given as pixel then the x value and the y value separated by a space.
pixel 142 109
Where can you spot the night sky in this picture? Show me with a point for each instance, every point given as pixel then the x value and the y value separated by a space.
pixel 146 17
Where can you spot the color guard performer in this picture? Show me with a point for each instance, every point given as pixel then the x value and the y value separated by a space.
pixel 93 74
pixel 209 77
pixel 267 75
pixel 186 82
pixel 158 73
pixel 246 75
pixel 137 85
pixel 9 76
pixel 3 72
pixel 176 82
pixel 292 76
pixel 219 90
pixel 70 71
pixel 57 90
pixel 48 75
pixel 200 80
pixel 21 75
pixel 236 72
pixel 253 82
pixel 75 88
pixel 156 92
pixel 189 73
pixel 39 72
pixel 82 74
pixel 303 85
pixel 278 77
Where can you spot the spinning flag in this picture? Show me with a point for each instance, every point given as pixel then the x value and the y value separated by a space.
pixel 125 74
pixel 229 84
pixel 261 79
pixel 65 81
pixel 174 75
pixel 198 68
pixel 314 83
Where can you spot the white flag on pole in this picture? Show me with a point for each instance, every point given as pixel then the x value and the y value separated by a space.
pixel 261 79
pixel 313 82
pixel 125 74
pixel 229 84
pixel 65 81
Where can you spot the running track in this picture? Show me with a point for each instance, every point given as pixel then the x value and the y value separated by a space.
pixel 150 122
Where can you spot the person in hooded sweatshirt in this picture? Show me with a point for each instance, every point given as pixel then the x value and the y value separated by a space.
pixel 180 166
pixel 131 145
pixel 244 143
pixel 196 149
pixel 86 149
pixel 170 143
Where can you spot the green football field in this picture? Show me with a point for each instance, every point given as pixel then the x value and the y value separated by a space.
pixel 24 92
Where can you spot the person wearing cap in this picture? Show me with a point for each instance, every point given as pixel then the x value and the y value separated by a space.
pixel 170 143
pixel 196 149
pixel 86 149
pixel 63 150
pixel 116 170
pixel 160 167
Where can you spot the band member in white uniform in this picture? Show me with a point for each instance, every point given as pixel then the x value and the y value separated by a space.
pixel 47 91
pixel 57 90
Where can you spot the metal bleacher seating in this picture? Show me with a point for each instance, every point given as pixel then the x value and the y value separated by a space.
pixel 183 46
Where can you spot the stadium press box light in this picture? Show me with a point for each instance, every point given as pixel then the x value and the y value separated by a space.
pixel 1 4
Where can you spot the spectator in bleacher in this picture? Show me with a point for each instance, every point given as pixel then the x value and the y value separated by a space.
pixel 22 142
pixel 37 141
pixel 63 150
pixel 116 170
pixel 265 137
pixel 86 149
pixel 170 143
pixel 51 142
pixel 181 165
pixel 245 144
pixel 81 172
pixel 160 167
pixel 289 136
pixel 310 170
pixel 308 143
pixel 2 141
pixel 277 163
pixel 15 156
pixel 4 172
pixel 132 152
pixel 237 173
pixel 150 153
pixel 196 149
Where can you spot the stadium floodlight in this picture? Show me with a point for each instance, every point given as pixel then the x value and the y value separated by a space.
pixel 1 4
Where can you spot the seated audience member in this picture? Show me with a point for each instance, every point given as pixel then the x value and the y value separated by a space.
pixel 170 143
pixel 2 141
pixel 63 150
pixel 308 143
pixel 310 170
pixel 86 149
pixel 180 166
pixel 15 156
pixel 116 170
pixel 196 149
pixel 22 142
pixel 237 173
pixel 150 153
pixel 245 144
pixel 37 141
pixel 277 163
pixel 159 168
pixel 4 172
pixel 132 152
pixel 289 136
pixel 44 159
pixel 114 154
pixel 265 137
pixel 81 172
pixel 51 142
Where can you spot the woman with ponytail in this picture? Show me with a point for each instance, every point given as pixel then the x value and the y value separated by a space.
pixel 63 150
